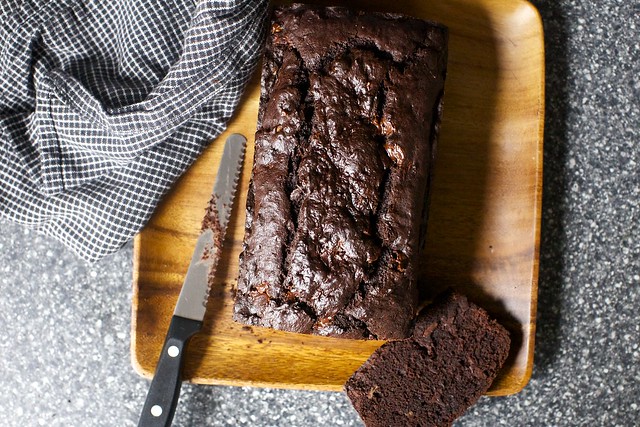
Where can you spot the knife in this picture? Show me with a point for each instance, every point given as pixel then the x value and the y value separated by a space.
pixel 188 315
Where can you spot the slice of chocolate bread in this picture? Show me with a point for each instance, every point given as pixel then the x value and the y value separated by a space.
pixel 432 378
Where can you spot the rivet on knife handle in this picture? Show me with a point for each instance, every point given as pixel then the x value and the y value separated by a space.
pixel 162 399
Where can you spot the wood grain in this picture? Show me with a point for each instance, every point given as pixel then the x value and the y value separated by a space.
pixel 484 225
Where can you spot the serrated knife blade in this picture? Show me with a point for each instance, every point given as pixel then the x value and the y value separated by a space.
pixel 188 315
pixel 194 294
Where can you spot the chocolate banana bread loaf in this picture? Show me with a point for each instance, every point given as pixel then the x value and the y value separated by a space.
pixel 348 119
pixel 430 379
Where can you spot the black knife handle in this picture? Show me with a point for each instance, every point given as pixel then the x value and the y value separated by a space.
pixel 165 387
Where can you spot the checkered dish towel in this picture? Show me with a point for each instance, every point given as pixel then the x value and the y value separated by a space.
pixel 104 104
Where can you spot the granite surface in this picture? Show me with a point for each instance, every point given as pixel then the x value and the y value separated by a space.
pixel 65 324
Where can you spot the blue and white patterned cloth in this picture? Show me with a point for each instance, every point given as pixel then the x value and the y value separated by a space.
pixel 104 104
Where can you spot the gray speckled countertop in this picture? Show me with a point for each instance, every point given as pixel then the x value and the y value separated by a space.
pixel 65 324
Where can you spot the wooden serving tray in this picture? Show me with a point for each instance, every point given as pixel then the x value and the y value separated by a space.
pixel 484 225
